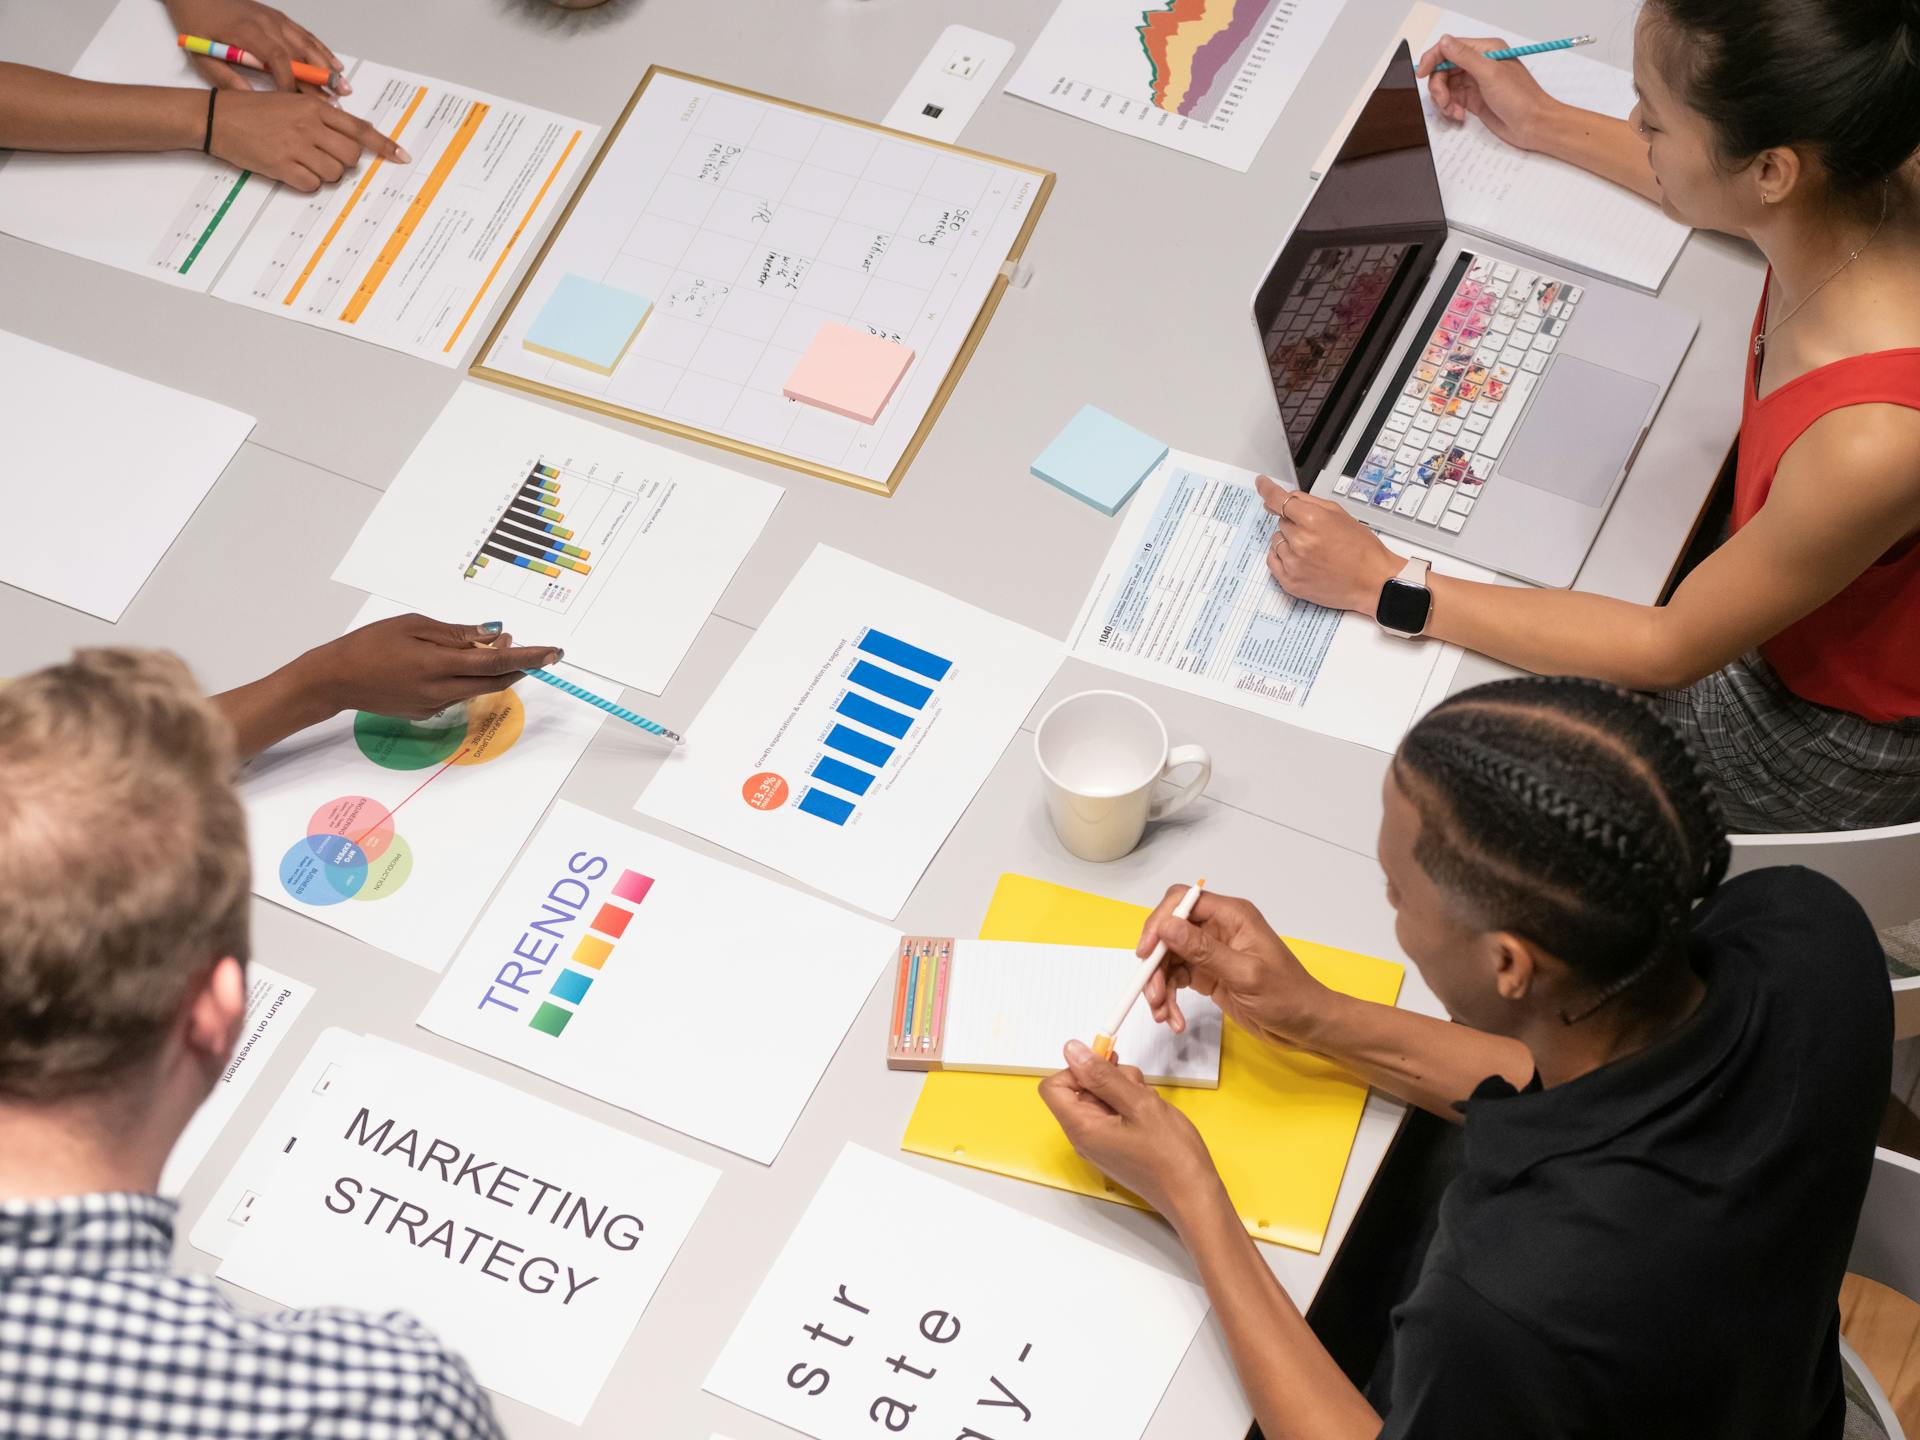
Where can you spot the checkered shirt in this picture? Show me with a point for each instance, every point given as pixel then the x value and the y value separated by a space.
pixel 98 1341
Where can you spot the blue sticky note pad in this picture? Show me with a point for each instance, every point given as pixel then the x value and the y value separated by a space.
pixel 1099 459
pixel 586 322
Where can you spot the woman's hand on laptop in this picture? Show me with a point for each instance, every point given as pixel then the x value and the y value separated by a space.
pixel 1322 554
pixel 1503 93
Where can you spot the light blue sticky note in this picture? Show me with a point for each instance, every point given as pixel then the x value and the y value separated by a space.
pixel 586 322
pixel 1099 459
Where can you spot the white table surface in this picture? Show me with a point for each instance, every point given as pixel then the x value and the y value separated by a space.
pixel 246 586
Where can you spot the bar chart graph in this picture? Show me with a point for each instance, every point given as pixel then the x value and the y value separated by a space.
pixel 556 526
pixel 886 690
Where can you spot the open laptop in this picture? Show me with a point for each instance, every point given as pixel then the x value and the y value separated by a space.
pixel 1457 392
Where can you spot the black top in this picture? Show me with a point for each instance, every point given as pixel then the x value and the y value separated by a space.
pixel 1655 1249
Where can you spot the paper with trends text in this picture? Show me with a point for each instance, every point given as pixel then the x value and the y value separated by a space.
pixel 853 730
pixel 274 1003
pixel 174 217
pixel 528 1238
pixel 1184 599
pixel 564 974
pixel 107 501
pixel 394 831
pixel 904 1300
pixel 414 255
pixel 574 534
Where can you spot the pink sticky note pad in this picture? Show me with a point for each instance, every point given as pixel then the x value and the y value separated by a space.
pixel 848 372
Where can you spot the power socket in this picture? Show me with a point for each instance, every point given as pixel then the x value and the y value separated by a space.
pixel 958 73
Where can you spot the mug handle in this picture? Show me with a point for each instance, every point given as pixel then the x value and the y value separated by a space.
pixel 1182 755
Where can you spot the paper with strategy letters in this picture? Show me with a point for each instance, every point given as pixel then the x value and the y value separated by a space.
pixel 565 972
pixel 528 1238
pixel 1003 1325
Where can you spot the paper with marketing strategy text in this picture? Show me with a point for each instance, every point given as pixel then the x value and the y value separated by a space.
pixel 529 1239
pixel 1184 599
pixel 1005 1324
pixel 564 973
pixel 853 731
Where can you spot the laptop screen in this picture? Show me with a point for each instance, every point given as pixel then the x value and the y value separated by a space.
pixel 1336 295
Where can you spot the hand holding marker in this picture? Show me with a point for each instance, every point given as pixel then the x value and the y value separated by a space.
pixel 599 702
pixel 306 74
pixel 1520 52
pixel 1103 1042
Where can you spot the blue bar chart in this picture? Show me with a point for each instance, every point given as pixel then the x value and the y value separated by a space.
pixel 883 694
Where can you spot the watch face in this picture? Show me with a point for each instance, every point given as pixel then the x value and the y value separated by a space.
pixel 1404 607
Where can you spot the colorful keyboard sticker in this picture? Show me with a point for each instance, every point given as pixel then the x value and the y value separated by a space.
pixel 1446 432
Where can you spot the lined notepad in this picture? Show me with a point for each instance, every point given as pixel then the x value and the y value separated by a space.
pixel 1007 1007
pixel 1558 211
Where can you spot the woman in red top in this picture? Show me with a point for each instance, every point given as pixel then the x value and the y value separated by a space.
pixel 1790 658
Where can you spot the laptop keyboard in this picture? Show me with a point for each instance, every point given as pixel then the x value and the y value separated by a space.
pixel 1322 320
pixel 1466 393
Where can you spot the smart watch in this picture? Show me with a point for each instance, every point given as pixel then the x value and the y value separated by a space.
pixel 1405 602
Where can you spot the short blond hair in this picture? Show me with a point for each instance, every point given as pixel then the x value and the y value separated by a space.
pixel 123 865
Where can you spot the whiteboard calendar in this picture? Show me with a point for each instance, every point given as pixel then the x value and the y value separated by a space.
pixel 739 226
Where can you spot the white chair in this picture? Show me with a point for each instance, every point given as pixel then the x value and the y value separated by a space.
pixel 1886 1249
pixel 1882 870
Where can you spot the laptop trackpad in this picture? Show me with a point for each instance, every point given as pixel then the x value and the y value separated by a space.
pixel 1580 430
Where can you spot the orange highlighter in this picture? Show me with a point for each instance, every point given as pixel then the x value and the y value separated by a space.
pixel 1103 1042
pixel 234 55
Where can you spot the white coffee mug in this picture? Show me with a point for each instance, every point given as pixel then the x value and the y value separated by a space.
pixel 1101 752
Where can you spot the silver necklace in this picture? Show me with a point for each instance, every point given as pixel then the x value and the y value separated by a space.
pixel 1760 340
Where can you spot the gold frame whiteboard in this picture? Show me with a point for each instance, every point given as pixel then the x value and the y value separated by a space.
pixel 741 447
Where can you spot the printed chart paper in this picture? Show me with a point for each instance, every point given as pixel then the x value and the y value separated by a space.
pixel 394 831
pixel 274 1002
pixel 175 216
pixel 1007 1325
pixel 750 224
pixel 1184 599
pixel 573 534
pixel 1204 77
pixel 106 501
pixel 565 975
pixel 853 730
pixel 413 256
pixel 528 1238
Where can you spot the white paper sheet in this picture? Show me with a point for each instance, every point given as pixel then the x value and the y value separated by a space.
pixel 1012 1006
pixel 749 224
pixel 414 256
pixel 1205 77
pixel 1011 1326
pixel 1559 211
pixel 394 831
pixel 274 1002
pixel 563 976
pixel 658 534
pixel 780 767
pixel 1184 599
pixel 526 1237
pixel 116 466
pixel 175 216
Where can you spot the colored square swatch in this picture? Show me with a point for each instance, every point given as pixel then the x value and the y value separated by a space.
pixel 848 372
pixel 1099 459
pixel 632 886
pixel 612 920
pixel 550 1019
pixel 587 323
pixel 571 986
pixel 592 951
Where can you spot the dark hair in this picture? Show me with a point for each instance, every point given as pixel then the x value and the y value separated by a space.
pixel 1568 812
pixel 1840 78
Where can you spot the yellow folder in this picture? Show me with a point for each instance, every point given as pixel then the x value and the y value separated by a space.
pixel 1280 1126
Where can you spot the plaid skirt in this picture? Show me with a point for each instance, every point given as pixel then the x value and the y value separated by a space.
pixel 1783 764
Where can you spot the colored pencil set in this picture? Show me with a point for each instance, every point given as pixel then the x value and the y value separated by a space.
pixel 920 997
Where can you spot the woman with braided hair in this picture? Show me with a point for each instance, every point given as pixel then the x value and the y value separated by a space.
pixel 1669 1088
pixel 1790 657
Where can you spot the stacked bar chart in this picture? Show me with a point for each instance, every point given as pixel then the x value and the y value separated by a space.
pixel 554 528
pixel 887 690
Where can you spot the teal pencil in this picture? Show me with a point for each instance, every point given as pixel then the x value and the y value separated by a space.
pixel 1520 52
pixel 619 712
